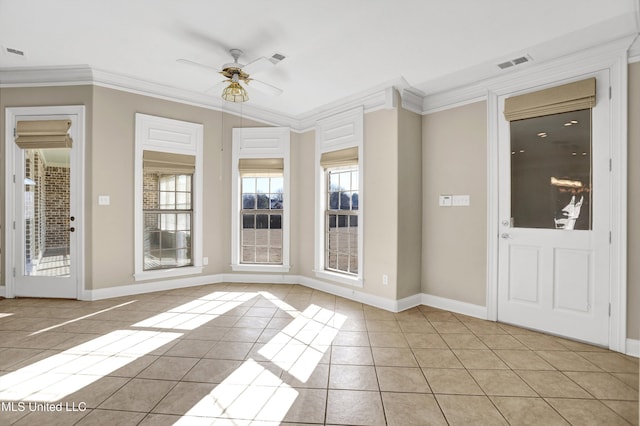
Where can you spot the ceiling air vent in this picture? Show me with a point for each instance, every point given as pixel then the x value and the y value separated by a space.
pixel 15 51
pixel 514 62
pixel 276 57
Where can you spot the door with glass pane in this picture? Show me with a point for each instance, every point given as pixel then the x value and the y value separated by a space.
pixel 46 220
pixel 554 185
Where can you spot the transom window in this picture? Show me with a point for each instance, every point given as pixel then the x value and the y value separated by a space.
pixel 261 218
pixel 341 220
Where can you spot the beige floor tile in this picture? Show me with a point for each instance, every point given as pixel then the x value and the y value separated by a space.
pixel 354 377
pixel 402 379
pixel 625 409
pixel 585 412
pixel 254 322
pixel 183 397
pixel 383 326
pixel 523 360
pixel 309 406
pixel 395 357
pixel 539 342
pixel 484 328
pixel 464 410
pixel 451 381
pixel 168 368
pixel 249 335
pixel 190 348
pixel 211 370
pixel 502 383
pixel 421 326
pixel 405 409
pixel 164 420
pixel 97 392
pixel 424 341
pixel 109 417
pixel 134 367
pixel 482 359
pixel 378 314
pixel 138 395
pixel 353 355
pixel 528 411
pixel 229 350
pixel 388 340
pixel 501 341
pixel 436 358
pixel 630 379
pixel 567 361
pixel 318 379
pixel 442 316
pixel 354 408
pixel 351 338
pixel 553 384
pixel 604 386
pixel 450 327
pixel 612 362
pixel 463 341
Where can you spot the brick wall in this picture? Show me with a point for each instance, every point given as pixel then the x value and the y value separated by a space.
pixel 57 205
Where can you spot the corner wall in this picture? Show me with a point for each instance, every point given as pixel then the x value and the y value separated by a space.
pixel 454 239
pixel 633 206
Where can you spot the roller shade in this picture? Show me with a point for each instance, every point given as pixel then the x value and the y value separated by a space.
pixel 260 165
pixel 556 100
pixel 43 134
pixel 168 163
pixel 343 157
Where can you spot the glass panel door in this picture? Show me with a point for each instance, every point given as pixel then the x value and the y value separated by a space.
pixel 46 213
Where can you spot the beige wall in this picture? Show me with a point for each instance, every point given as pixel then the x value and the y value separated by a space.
pixel 454 239
pixel 409 203
pixel 45 96
pixel 633 208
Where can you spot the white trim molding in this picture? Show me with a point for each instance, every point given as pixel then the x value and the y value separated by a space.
pixel 469 309
pixel 633 348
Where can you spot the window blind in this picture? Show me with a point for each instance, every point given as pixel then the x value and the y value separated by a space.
pixel 260 165
pixel 568 97
pixel 43 134
pixel 340 158
pixel 168 163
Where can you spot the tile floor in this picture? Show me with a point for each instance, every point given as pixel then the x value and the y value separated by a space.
pixel 285 354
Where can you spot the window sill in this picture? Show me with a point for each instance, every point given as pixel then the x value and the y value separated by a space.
pixel 351 280
pixel 260 268
pixel 167 273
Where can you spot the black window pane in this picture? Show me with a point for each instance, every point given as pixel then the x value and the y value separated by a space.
pixel 345 202
pixel 342 221
pixel 276 221
pixel 248 221
pixel 332 221
pixel 276 201
pixel 262 221
pixel 353 221
pixel 354 201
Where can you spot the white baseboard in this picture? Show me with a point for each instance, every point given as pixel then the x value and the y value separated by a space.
pixel 633 347
pixel 464 308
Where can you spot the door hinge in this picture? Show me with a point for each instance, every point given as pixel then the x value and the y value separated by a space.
pixel 14 225
pixel 609 92
pixel 14 132
pixel 609 237
pixel 14 272
pixel 609 309
pixel 610 164
pixel 14 178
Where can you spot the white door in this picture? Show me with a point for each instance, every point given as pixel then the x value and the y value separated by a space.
pixel 45 214
pixel 554 189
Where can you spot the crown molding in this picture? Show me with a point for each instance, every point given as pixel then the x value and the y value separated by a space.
pixel 382 96
pixel 564 67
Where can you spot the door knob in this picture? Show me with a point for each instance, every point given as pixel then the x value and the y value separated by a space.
pixel 505 236
pixel 72 229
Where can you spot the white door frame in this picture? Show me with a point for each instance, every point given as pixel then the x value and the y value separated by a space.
pixel 614 59
pixel 77 113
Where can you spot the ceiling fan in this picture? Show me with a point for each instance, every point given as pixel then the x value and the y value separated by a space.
pixel 238 75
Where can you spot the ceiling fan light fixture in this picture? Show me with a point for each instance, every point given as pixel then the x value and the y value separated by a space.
pixel 235 93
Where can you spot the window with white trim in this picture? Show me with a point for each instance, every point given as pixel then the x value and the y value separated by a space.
pixel 341 220
pixel 260 209
pixel 168 197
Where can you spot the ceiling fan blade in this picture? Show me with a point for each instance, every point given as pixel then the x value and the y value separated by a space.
pixel 197 64
pixel 264 87
pixel 258 65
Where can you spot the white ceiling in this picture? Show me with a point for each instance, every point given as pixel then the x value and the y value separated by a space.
pixel 335 49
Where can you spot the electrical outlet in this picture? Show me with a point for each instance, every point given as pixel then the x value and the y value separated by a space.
pixel 385 279
pixel 205 260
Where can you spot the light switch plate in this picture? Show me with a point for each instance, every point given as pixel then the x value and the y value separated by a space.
pixel 104 200
pixel 461 200
pixel 445 201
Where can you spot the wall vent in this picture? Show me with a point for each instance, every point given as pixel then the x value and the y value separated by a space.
pixel 514 62
pixel 276 57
